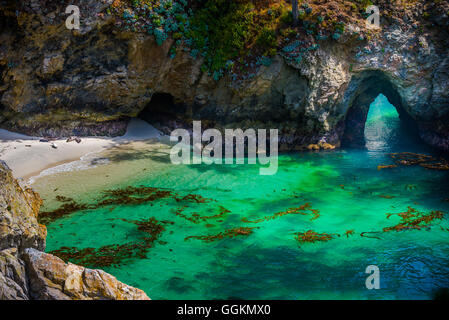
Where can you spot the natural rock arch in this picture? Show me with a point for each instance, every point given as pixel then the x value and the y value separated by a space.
pixel 362 91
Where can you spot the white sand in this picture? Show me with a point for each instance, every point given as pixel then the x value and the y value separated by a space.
pixel 27 156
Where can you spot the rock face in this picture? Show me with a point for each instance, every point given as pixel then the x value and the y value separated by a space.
pixel 61 82
pixel 28 273
pixel 19 207
pixel 51 278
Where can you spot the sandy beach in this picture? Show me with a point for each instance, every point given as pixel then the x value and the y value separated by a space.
pixel 28 156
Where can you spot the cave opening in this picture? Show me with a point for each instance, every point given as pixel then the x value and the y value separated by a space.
pixel 383 125
pixel 161 110
pixel 376 117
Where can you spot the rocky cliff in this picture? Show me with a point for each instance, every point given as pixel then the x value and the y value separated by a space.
pixel 26 272
pixel 56 81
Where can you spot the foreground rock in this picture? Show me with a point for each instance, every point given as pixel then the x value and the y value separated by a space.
pixel 51 278
pixel 18 214
pixel 26 272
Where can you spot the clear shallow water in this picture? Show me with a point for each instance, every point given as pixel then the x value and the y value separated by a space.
pixel 344 185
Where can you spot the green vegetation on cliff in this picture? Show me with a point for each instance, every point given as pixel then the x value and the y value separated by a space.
pixel 238 36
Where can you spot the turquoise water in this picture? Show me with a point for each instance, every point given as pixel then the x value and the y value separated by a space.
pixel 344 185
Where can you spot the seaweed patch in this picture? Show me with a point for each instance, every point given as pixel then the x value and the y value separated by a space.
pixel 349 233
pixel 423 160
pixel 69 207
pixel 115 254
pixel 311 236
pixel 230 233
pixel 297 210
pixel 196 218
pixel 124 196
pixel 414 219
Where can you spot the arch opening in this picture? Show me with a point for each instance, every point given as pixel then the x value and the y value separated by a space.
pixel 374 89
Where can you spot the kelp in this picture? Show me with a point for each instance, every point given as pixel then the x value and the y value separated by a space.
pixel 115 254
pixel 311 236
pixel 150 226
pixel 230 233
pixel 297 210
pixel 179 213
pixel 133 196
pixel 63 199
pixel 385 196
pixel 410 158
pixel 423 160
pixel 223 212
pixel 196 218
pixel 46 217
pixel 441 165
pixel 389 166
pixel 349 233
pixel 193 198
pixel 124 196
pixel 413 219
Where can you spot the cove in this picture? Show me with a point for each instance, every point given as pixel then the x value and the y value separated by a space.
pixel 349 194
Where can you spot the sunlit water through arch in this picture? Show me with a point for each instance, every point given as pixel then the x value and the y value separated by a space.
pixel 344 185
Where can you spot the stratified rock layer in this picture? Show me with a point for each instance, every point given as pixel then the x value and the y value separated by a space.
pixel 61 82
pixel 28 273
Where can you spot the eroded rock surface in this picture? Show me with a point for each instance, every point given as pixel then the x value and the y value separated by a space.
pixel 19 207
pixel 26 272
pixel 51 278
pixel 61 82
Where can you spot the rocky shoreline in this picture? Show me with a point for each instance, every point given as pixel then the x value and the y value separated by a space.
pixel 28 273
pixel 56 82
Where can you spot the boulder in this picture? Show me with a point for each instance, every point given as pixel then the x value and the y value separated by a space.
pixel 51 278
